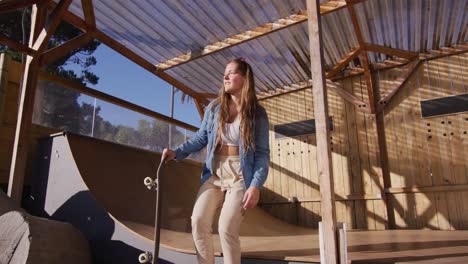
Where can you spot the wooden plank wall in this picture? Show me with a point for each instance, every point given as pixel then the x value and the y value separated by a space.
pixel 356 169
pixel 421 152
pixel 428 157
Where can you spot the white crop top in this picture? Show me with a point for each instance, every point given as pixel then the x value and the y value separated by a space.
pixel 231 133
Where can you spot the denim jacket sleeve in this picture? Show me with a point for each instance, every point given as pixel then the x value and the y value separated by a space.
pixel 262 149
pixel 199 141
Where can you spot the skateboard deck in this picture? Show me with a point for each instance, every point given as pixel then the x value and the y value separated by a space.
pixel 152 257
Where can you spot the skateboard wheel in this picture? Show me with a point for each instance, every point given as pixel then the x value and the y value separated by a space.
pixel 148 182
pixel 145 257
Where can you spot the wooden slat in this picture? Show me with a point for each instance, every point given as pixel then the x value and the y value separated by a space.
pixel 338 198
pixel 323 133
pixel 343 62
pixel 114 100
pixel 390 51
pixel 257 32
pixel 429 189
pixel 53 54
pixel 16 45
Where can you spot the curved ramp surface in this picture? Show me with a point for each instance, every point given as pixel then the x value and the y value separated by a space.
pixel 98 187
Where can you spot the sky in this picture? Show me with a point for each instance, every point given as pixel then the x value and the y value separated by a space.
pixel 126 80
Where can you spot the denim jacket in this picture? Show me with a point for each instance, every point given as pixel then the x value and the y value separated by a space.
pixel 254 164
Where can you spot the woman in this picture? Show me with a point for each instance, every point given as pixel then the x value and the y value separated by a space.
pixel 235 131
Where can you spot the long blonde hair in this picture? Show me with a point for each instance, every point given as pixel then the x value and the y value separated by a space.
pixel 248 106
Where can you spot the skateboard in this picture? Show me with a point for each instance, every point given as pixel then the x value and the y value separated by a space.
pixel 152 257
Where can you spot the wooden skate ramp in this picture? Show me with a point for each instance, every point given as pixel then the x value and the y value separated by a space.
pixel 98 187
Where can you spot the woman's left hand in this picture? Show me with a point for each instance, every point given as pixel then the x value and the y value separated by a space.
pixel 251 197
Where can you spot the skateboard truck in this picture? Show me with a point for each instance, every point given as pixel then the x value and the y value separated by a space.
pixel 146 257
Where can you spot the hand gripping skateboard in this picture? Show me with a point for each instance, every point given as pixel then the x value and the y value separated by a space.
pixel 149 257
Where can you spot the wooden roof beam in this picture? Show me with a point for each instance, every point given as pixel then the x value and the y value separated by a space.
pixel 115 45
pixel 390 51
pixel 343 62
pixel 401 80
pixel 53 54
pixel 248 35
pixel 46 33
pixel 16 46
pixel 346 95
pixel 129 54
pixel 71 18
pixel 88 11
pixel 7 6
pixel 363 54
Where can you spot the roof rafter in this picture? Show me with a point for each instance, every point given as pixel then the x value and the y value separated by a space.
pixel 88 11
pixel 343 62
pixel 46 33
pixel 248 35
pixel 390 51
pixel 401 80
pixel 121 49
pixel 363 54
pixel 115 45
pixel 53 54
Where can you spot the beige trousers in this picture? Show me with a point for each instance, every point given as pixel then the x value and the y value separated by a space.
pixel 223 190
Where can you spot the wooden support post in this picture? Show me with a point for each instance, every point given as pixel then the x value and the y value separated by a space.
pixel 4 64
pixel 28 90
pixel 383 156
pixel 327 192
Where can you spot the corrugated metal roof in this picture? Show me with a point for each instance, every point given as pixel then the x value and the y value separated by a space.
pixel 162 30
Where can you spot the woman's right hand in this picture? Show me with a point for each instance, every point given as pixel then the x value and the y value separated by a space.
pixel 168 154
